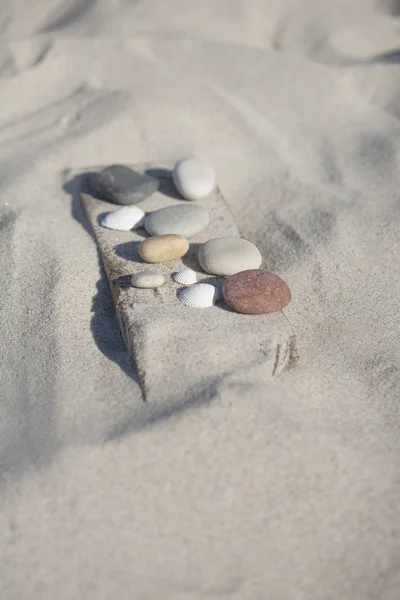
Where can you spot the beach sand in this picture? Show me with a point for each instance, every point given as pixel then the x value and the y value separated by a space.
pixel 276 488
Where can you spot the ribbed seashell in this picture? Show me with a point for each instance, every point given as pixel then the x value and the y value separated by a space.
pixel 200 295
pixel 186 277
pixel 124 218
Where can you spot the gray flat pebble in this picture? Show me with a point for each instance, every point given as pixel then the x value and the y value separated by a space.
pixel 122 185
pixel 148 279
pixel 229 255
pixel 181 219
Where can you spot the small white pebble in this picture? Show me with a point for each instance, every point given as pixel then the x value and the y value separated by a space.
pixel 148 279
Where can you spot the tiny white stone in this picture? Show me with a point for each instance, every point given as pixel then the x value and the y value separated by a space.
pixel 124 218
pixel 148 279
pixel 194 179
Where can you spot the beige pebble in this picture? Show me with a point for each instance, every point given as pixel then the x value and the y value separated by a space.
pixel 163 248
pixel 228 255
pixel 148 279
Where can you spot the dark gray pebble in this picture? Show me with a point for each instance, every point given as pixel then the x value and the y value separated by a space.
pixel 122 185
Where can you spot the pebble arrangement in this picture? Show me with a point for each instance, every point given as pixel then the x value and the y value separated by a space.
pixel 246 289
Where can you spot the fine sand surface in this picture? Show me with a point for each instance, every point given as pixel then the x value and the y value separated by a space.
pixel 276 488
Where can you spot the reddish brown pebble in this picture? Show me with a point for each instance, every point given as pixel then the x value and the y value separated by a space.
pixel 256 292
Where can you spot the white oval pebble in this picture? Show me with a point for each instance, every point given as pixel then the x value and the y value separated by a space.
pixel 186 277
pixel 194 179
pixel 201 295
pixel 148 279
pixel 229 255
pixel 124 218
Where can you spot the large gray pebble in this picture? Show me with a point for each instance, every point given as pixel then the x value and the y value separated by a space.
pixel 181 219
pixel 122 185
pixel 228 255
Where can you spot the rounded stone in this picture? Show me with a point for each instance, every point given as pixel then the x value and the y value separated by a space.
pixel 122 185
pixel 163 248
pixel 187 220
pixel 193 178
pixel 228 255
pixel 148 279
pixel 256 292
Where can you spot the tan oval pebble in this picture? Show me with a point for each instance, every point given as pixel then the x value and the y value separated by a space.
pixel 163 248
pixel 148 279
pixel 256 292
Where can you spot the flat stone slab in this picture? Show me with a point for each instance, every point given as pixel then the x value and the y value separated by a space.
pixel 178 350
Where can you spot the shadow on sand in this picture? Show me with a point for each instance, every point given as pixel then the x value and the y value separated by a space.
pixel 104 325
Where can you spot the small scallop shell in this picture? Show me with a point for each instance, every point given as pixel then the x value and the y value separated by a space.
pixel 124 218
pixel 186 277
pixel 201 295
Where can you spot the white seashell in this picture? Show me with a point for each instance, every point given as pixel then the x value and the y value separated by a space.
pixel 124 218
pixel 186 277
pixel 201 295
